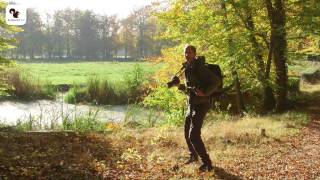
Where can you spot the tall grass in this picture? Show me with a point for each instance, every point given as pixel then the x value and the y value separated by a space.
pixel 26 87
pixel 76 94
pixel 248 129
pixel 70 121
pixel 83 123
pixel 140 117
pixel 97 91
pixel 221 131
pixel 101 91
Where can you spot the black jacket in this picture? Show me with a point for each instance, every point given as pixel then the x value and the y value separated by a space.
pixel 200 77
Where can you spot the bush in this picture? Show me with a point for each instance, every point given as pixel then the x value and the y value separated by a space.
pixel 76 94
pixel 294 95
pixel 294 85
pixel 135 82
pixel 171 101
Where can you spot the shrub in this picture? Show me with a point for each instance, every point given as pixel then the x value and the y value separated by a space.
pixel 135 82
pixel 294 85
pixel 170 101
pixel 76 94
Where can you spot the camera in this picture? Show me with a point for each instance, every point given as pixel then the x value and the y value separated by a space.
pixel 174 81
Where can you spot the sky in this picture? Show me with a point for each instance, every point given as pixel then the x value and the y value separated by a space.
pixel 105 7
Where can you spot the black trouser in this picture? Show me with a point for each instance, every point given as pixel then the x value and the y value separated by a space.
pixel 192 130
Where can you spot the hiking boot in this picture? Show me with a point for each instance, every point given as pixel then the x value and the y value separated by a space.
pixel 192 159
pixel 205 167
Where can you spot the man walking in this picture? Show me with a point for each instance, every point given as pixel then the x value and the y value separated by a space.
pixel 201 83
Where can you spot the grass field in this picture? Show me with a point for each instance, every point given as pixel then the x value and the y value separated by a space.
pixel 299 67
pixel 68 73
pixel 79 71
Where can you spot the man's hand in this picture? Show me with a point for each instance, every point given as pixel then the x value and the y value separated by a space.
pixel 199 93
pixel 181 87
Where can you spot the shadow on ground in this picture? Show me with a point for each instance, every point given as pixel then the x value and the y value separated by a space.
pixel 220 173
pixel 53 155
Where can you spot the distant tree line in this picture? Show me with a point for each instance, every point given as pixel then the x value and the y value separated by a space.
pixel 77 34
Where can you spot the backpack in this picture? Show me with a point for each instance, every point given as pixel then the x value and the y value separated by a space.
pixel 216 70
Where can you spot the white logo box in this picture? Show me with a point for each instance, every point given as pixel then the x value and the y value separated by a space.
pixel 22 15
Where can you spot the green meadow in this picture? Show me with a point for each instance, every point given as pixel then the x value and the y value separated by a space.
pixel 79 72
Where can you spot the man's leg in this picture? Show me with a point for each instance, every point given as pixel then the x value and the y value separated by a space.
pixel 200 111
pixel 187 123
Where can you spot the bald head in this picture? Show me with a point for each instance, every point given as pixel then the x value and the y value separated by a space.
pixel 190 52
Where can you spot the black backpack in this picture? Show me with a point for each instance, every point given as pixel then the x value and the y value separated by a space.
pixel 215 68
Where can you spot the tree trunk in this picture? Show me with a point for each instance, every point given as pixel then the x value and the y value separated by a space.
pixel 269 100
pixel 247 19
pixel 239 98
pixel 277 19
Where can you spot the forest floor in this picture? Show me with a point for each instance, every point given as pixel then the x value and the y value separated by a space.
pixel 159 153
